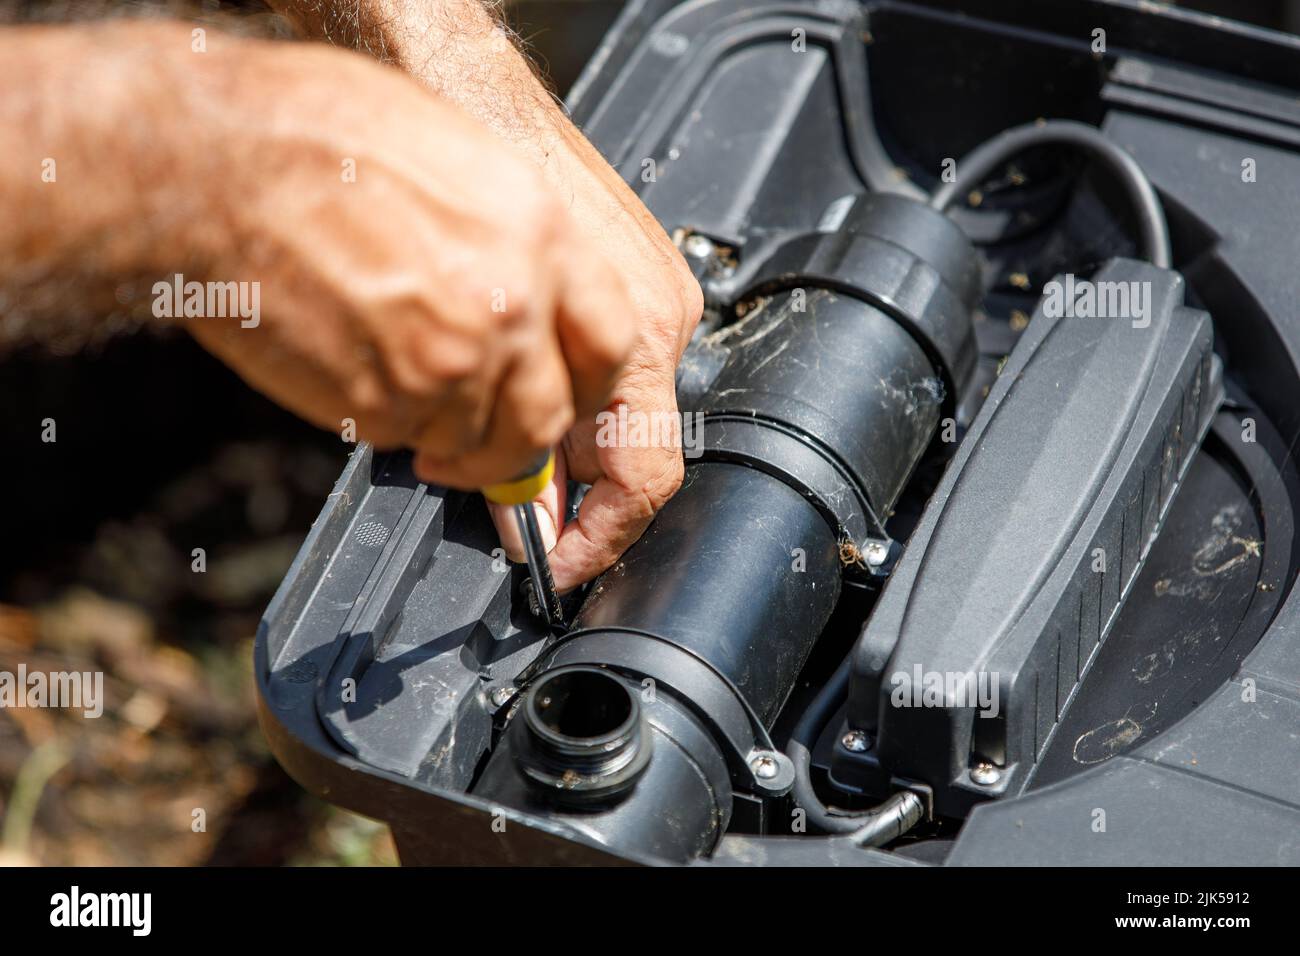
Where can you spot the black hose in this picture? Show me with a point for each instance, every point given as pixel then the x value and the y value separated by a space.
pixel 873 827
pixel 889 820
pixel 986 159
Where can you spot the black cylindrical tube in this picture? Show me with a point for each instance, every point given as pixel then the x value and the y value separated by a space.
pixel 655 749
pixel 738 568
pixel 826 401
pixel 840 374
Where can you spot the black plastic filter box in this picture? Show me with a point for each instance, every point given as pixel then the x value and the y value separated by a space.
pixel 398 632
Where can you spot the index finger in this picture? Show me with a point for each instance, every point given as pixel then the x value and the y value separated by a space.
pixel 613 515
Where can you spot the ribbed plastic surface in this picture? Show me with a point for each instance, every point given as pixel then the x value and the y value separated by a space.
pixel 1036 533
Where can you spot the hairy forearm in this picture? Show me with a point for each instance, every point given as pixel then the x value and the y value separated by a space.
pixel 458 48
pixel 90 183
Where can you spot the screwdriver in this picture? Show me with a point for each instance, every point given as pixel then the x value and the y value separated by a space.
pixel 520 493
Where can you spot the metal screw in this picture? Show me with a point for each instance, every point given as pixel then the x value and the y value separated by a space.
pixel 697 246
pixel 985 774
pixel 765 767
pixel 875 553
pixel 499 695
pixel 855 741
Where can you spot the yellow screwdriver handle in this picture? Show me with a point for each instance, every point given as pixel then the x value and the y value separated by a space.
pixel 526 487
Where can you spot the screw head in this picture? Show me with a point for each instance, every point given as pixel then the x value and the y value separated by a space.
pixel 697 246
pixel 499 695
pixel 764 767
pixel 855 741
pixel 985 774
pixel 875 553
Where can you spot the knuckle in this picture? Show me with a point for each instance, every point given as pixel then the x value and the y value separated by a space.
pixel 426 367
pixel 502 295
pixel 690 298
pixel 694 310
pixel 656 491
pixel 612 346
pixel 676 311
pixel 370 402
pixel 547 430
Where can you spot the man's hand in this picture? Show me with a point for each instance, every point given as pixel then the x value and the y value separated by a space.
pixel 415 276
pixel 457 49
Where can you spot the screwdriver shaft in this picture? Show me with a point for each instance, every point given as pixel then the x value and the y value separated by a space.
pixel 539 565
